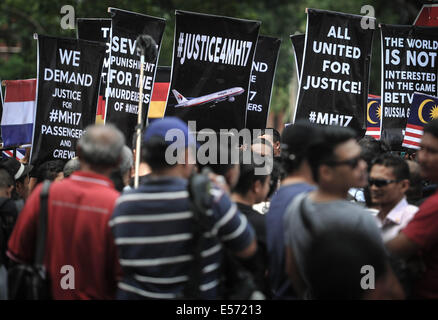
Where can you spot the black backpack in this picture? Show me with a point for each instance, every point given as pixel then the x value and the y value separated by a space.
pixel 30 281
pixel 238 282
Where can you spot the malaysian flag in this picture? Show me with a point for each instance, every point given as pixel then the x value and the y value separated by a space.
pixel 18 112
pixel 374 116
pixel 424 108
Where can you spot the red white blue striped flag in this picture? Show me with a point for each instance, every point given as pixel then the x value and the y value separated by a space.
pixel 18 112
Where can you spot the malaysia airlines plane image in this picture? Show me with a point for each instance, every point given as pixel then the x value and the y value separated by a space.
pixel 212 98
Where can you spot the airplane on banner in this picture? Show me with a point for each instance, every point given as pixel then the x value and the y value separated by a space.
pixel 213 98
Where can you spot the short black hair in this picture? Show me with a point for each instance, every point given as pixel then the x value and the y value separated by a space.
pixel 49 170
pixel 153 152
pixel 275 134
pixel 432 128
pixel 248 177
pixel 371 148
pixel 296 140
pixel 399 166
pixel 323 152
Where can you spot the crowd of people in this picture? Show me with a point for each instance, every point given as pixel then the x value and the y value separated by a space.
pixel 316 213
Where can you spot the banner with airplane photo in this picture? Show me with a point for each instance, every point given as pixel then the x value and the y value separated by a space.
pixel 409 64
pixel 261 82
pixel 212 61
pixel 333 85
pixel 97 30
pixel 123 80
pixel 67 89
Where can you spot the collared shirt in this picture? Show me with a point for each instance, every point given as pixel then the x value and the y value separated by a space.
pixel 78 236
pixel 396 219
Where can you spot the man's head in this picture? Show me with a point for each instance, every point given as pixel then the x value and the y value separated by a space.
pixel 121 175
pixel 372 148
pixel 273 136
pixel 52 170
pixel 100 148
pixel 336 161
pixel 253 187
pixel 20 174
pixel 168 145
pixel 223 161
pixel 295 143
pixel 428 154
pixel 388 180
pixel 6 183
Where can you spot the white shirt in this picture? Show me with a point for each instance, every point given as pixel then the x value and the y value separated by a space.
pixel 396 219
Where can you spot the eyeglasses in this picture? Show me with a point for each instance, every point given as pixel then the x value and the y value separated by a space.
pixel 380 182
pixel 353 163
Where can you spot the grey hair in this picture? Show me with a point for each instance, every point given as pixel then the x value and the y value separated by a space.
pixel 71 166
pixel 101 146
pixel 127 160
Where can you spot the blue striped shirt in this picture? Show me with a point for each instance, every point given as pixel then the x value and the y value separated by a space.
pixel 153 227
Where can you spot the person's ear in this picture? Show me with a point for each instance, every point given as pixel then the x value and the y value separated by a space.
pixel 405 184
pixel 257 187
pixel 9 191
pixel 325 173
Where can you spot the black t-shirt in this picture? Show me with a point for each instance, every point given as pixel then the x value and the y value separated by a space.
pixel 8 217
pixel 257 220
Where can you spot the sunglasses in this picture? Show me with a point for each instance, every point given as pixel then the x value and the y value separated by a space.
pixel 380 182
pixel 353 162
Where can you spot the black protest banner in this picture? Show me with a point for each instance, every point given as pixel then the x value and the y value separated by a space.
pixel 261 82
pixel 212 60
pixel 122 93
pixel 333 87
pixel 298 41
pixel 97 30
pixel 68 85
pixel 409 64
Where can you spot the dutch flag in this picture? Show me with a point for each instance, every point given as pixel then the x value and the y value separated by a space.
pixel 18 112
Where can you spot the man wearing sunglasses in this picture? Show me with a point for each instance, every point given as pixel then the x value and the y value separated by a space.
pixel 388 183
pixel 421 234
pixel 336 166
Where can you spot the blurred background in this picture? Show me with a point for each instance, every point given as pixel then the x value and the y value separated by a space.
pixel 19 19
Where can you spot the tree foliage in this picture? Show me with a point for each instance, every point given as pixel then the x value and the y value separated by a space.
pixel 19 19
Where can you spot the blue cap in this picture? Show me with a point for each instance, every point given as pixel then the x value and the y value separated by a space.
pixel 180 133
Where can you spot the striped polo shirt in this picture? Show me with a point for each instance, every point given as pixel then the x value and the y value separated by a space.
pixel 153 231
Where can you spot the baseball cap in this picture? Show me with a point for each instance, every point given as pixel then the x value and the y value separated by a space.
pixel 175 129
pixel 16 168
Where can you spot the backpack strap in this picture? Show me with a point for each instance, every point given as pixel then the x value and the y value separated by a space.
pixel 42 224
